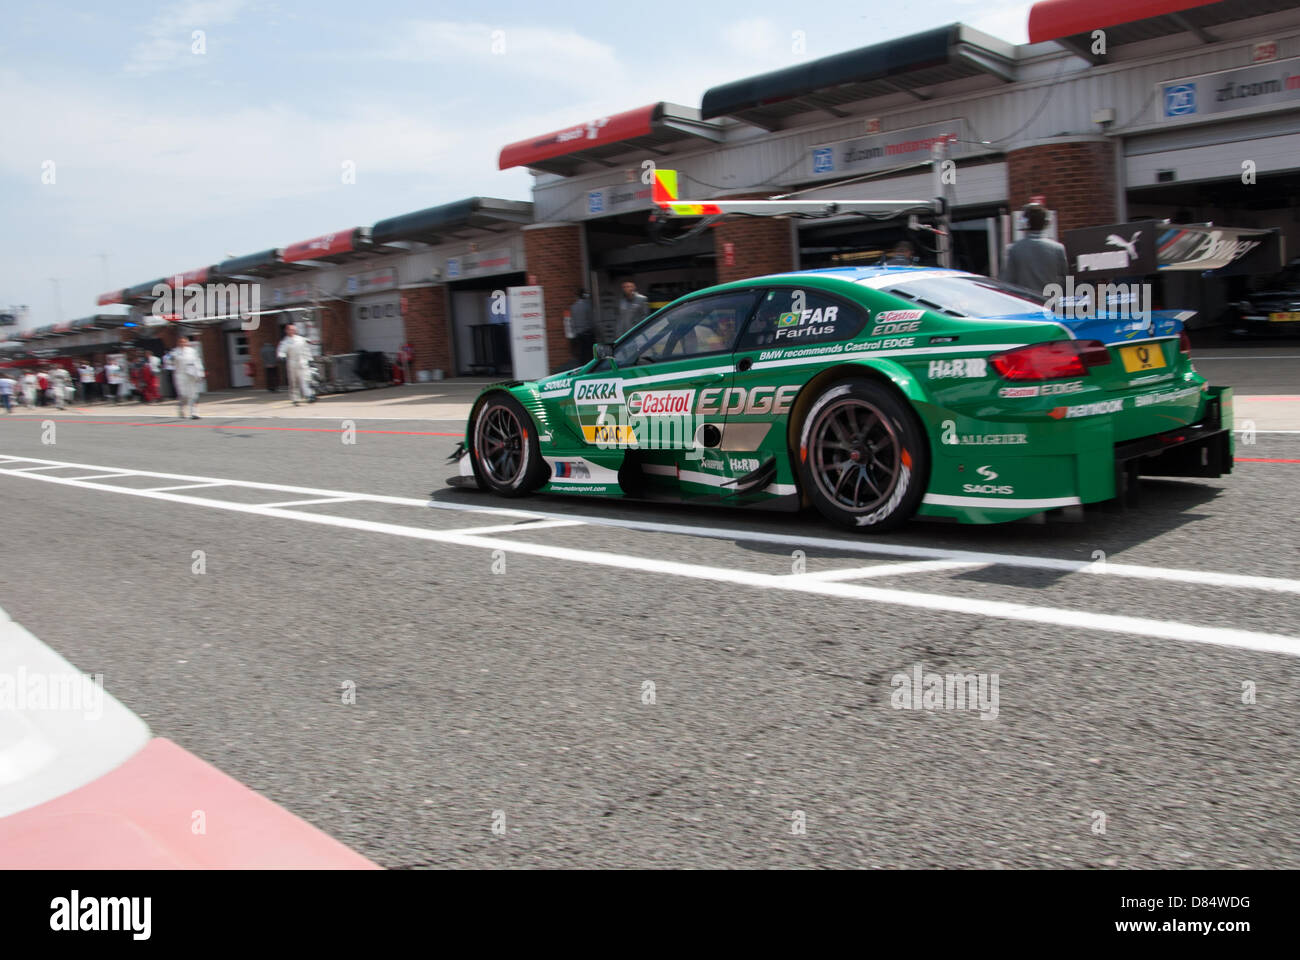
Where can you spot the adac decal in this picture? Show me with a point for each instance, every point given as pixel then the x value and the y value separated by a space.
pixel 969 368
pixel 660 403
pixel 738 401
pixel 806 323
pixel 610 434
pixel 591 392
pixel 989 474
pixel 1087 409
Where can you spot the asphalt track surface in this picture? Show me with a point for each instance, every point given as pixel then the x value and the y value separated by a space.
pixel 501 661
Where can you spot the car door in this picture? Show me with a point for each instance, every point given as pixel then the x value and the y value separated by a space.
pixel 792 330
pixel 644 399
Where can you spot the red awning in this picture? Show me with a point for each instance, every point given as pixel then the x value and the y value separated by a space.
pixel 593 133
pixel 322 246
pixel 1054 19
pixel 113 296
pixel 199 275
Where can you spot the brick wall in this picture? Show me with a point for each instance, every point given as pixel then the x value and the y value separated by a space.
pixel 427 331
pixel 1077 178
pixel 216 361
pixel 336 327
pixel 554 256
pixel 761 246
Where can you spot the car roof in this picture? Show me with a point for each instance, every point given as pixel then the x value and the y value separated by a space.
pixel 865 273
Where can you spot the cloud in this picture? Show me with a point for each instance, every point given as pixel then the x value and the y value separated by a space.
pixel 563 55
pixel 169 36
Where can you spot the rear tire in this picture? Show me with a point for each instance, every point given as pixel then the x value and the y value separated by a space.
pixel 505 454
pixel 863 456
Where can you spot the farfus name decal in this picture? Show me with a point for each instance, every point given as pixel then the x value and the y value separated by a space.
pixel 806 323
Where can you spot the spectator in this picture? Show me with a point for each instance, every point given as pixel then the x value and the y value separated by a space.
pixel 633 307
pixel 903 254
pixel 296 353
pixel 43 388
pixel 188 373
pixel 581 328
pixel 169 373
pixel 86 377
pixel 29 389
pixel 113 379
pixel 60 386
pixel 1035 261
pixel 271 366
pixel 155 371
pixel 7 392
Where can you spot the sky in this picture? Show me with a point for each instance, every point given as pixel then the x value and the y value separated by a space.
pixel 132 149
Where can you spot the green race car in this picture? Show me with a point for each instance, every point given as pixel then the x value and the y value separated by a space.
pixel 874 394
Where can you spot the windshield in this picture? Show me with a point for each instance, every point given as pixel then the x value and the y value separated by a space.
pixel 961 296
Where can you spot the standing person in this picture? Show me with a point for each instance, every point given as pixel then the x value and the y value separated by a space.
pixel 1035 261
pixel 113 379
pixel 903 254
pixel 42 388
pixel 86 377
pixel 189 371
pixel 633 307
pixel 7 392
pixel 155 369
pixel 169 372
pixel 29 389
pixel 270 366
pixel 581 328
pixel 295 351
pixel 60 385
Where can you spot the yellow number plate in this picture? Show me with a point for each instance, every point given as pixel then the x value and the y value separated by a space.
pixel 1284 317
pixel 1142 356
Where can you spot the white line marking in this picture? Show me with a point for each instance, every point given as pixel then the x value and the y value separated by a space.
pixel 187 486
pixel 103 476
pixel 1209 578
pixel 519 527
pixel 890 570
pixel 999 609
pixel 303 503
pixel 945 500
pixel 34 469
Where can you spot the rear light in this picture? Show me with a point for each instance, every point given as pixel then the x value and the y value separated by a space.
pixel 1058 360
pixel 1184 343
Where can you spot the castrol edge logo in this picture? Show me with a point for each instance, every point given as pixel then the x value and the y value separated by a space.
pixel 660 403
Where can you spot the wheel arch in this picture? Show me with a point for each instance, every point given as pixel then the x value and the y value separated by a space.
pixel 891 375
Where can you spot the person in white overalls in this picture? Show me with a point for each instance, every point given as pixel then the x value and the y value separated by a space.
pixel 295 351
pixel 189 371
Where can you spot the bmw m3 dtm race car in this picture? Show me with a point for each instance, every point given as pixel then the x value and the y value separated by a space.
pixel 874 394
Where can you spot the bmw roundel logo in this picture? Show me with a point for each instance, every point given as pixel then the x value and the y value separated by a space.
pixel 1180 100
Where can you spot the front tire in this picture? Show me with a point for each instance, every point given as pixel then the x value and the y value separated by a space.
pixel 505 453
pixel 863 456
